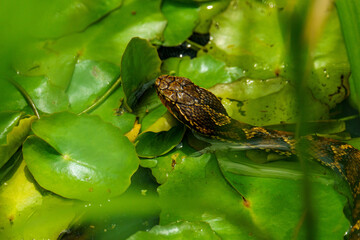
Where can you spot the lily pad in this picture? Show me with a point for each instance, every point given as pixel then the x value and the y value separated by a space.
pixel 152 144
pixel 13 133
pixel 89 81
pixel 271 206
pixel 265 102
pixel 80 157
pixel 205 71
pixel 111 110
pixel 48 98
pixel 182 19
pixel 10 98
pixel 161 167
pixel 140 66
pixel 207 11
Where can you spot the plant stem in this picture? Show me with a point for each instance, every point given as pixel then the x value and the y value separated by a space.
pixel 26 96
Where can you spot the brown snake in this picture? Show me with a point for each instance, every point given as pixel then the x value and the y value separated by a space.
pixel 201 111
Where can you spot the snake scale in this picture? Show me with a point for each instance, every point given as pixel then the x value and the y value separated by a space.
pixel 201 111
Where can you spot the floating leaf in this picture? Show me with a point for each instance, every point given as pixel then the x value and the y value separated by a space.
pixel 151 144
pixel 90 80
pixel 10 98
pixel 111 111
pixel 207 11
pixel 47 97
pixel 182 19
pixel 80 157
pixel 272 206
pixel 161 167
pixel 140 66
pixel 265 102
pixel 13 133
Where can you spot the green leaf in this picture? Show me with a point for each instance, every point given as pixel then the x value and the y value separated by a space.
pixel 273 180
pixel 47 97
pixel 104 40
pixel 8 120
pixel 179 230
pixel 265 102
pixel 151 144
pixel 90 80
pixel 161 167
pixel 111 111
pixel 241 38
pixel 53 20
pixel 207 12
pixel 182 19
pixel 13 133
pixel 200 193
pixel 10 98
pixel 134 19
pixel 205 71
pixel 80 157
pixel 140 66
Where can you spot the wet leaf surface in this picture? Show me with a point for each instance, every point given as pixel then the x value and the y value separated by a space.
pixel 80 157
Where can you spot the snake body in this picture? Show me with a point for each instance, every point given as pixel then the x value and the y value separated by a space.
pixel 201 111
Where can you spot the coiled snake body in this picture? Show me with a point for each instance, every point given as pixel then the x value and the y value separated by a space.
pixel 201 111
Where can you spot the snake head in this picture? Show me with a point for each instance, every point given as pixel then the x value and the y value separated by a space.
pixel 192 105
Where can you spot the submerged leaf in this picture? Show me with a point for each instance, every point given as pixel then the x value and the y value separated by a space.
pixel 179 230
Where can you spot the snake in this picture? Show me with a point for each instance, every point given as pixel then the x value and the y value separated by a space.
pixel 202 112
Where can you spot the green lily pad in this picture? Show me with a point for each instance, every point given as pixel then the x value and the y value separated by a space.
pixel 161 167
pixel 182 19
pixel 111 110
pixel 265 102
pixel 14 131
pixel 133 19
pixel 10 98
pixel 207 11
pixel 179 230
pixel 140 66
pixel 151 144
pixel 90 80
pixel 102 41
pixel 272 206
pixel 80 157
pixel 205 71
pixel 47 97
pixel 240 38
